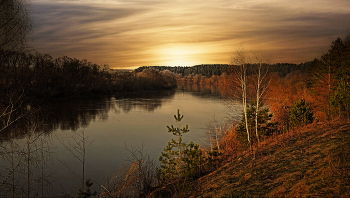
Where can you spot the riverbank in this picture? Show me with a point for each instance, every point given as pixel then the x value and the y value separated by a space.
pixel 310 161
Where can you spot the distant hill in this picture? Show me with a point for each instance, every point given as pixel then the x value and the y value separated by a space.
pixel 218 69
pixel 120 71
pixel 204 69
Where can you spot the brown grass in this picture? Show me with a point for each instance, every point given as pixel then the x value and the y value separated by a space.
pixel 312 161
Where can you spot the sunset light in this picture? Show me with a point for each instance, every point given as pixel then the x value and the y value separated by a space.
pixel 129 34
pixel 179 55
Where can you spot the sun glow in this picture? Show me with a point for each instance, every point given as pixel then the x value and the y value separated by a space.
pixel 179 55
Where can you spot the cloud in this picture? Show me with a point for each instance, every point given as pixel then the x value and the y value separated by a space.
pixel 129 33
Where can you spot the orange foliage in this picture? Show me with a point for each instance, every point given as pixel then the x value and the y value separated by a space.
pixel 282 93
pixel 229 145
pixel 322 91
pixel 280 96
pixel 229 142
pixel 229 86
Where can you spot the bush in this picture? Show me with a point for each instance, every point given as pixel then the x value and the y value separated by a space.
pixel 300 113
pixel 340 100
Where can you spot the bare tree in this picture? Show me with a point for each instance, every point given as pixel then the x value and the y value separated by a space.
pixel 41 160
pixel 7 114
pixel 77 147
pixel 239 62
pixel 10 113
pixel 261 83
pixel 16 154
pixel 135 178
pixel 237 85
pixel 214 133
pixel 14 24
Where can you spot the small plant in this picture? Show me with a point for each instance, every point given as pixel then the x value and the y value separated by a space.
pixel 214 157
pixel 300 113
pixel 87 193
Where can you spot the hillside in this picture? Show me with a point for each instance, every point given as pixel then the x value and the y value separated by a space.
pixel 312 161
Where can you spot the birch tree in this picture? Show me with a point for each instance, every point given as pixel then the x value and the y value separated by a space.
pixel 261 84
pixel 239 62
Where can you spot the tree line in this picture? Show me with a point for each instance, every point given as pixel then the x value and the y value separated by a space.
pixel 209 70
pixel 204 69
pixel 42 76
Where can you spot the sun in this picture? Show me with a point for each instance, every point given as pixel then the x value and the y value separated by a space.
pixel 179 61
pixel 178 55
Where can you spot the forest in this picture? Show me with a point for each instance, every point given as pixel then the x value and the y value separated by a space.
pixel 41 76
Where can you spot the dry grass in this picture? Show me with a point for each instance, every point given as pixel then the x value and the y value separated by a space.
pixel 307 162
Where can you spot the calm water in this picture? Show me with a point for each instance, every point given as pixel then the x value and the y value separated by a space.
pixel 112 123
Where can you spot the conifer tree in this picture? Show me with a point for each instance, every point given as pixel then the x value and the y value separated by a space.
pixel 178 132
pixel 194 160
pixel 167 168
pixel 171 160
pixel 189 161
pixel 301 113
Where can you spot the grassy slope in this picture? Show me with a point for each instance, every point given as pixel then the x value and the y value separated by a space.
pixel 312 161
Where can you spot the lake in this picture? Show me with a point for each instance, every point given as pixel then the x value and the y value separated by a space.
pixel 109 124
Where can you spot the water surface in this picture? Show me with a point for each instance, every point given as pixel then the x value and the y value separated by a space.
pixel 110 124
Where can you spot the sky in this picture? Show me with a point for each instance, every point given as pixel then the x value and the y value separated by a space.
pixel 126 34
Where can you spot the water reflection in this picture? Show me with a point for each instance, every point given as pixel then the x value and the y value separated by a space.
pixel 201 90
pixel 148 101
pixel 109 122
pixel 74 114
